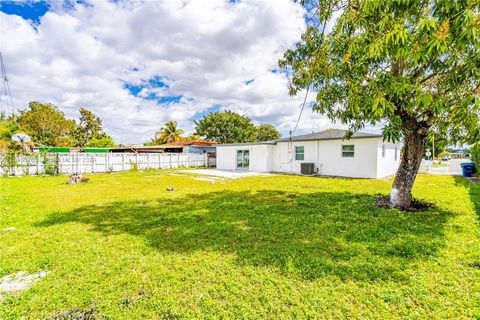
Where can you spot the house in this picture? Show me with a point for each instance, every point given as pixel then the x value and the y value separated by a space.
pixel 198 146
pixel 458 154
pixel 365 155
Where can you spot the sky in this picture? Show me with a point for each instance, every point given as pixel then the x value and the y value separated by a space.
pixel 138 64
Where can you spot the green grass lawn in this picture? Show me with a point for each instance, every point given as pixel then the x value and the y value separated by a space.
pixel 259 247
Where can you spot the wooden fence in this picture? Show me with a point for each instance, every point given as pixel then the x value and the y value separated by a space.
pixel 68 163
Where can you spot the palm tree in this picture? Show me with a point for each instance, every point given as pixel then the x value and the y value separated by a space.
pixel 169 134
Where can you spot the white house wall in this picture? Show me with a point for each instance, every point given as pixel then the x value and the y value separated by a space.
pixel 226 158
pixel 388 163
pixel 327 157
pixel 325 154
pixel 284 156
pixel 261 157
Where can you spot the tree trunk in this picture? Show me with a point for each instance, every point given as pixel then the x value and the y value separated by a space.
pixel 401 193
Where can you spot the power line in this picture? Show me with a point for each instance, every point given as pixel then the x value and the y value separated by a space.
pixel 308 87
pixel 6 105
pixel 301 111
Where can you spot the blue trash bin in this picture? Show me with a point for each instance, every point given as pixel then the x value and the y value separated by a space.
pixel 467 169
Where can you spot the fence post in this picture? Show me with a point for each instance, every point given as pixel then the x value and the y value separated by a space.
pixel 106 162
pixel 148 160
pixel 136 160
pixel 171 164
pixel 38 163
pixel 93 162
pixel 205 159
pixel 59 164
pixel 72 159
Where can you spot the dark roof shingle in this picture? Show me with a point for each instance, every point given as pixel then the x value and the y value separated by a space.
pixel 330 134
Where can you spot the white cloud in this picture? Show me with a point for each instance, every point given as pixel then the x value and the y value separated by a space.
pixel 203 50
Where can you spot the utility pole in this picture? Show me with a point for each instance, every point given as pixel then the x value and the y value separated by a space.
pixel 433 148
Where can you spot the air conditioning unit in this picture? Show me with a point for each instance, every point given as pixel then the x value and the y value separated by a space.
pixel 307 168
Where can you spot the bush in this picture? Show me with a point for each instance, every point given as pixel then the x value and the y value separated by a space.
pixel 8 162
pixel 50 166
pixel 475 153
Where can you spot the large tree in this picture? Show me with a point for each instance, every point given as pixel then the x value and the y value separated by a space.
pixel 169 133
pixel 46 125
pixel 90 129
pixel 266 132
pixel 412 65
pixel 226 127
pixel 101 141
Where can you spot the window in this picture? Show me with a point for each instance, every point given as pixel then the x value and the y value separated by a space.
pixel 395 153
pixel 243 159
pixel 383 150
pixel 300 153
pixel 348 151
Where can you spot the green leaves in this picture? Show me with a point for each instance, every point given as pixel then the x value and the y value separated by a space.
pixel 226 127
pixel 47 125
pixel 391 131
pixel 266 132
pixel 377 49
pixel 170 133
pixel 426 25
pixel 397 36
pixel 384 59
pixel 381 107
pixel 230 127
pixel 89 130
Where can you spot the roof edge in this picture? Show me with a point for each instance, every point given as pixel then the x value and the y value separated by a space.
pixel 322 139
pixel 246 144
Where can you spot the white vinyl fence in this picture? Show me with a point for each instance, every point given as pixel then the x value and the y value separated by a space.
pixel 68 163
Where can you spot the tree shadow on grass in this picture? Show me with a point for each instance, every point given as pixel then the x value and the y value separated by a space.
pixel 473 191
pixel 304 235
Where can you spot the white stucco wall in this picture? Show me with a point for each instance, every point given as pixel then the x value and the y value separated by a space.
pixel 226 157
pixel 284 161
pixel 327 156
pixel 387 164
pixel 261 157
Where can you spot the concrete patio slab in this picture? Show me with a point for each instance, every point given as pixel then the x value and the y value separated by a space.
pixel 227 174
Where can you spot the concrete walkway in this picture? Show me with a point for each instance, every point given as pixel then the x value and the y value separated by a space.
pixel 226 173
pixel 451 167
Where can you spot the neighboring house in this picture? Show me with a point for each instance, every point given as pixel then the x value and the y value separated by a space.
pixel 458 154
pixel 198 146
pixel 365 155
pixel 195 146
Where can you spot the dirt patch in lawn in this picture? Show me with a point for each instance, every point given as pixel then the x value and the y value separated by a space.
pixel 416 205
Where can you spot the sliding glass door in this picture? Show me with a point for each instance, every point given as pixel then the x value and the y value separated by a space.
pixel 243 159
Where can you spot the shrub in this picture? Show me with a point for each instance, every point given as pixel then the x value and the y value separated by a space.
pixel 8 162
pixel 50 168
pixel 475 153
